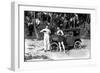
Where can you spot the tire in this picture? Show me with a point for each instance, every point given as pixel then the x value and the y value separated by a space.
pixel 77 45
pixel 54 46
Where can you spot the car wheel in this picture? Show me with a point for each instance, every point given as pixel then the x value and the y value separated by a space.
pixel 77 45
pixel 54 46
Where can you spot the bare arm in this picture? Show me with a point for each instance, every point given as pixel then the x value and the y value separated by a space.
pixel 42 30
pixel 62 32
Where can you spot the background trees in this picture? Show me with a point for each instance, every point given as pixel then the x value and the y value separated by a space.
pixel 34 21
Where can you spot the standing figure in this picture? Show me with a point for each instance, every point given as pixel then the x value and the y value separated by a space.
pixel 60 34
pixel 46 32
pixel 30 28
pixel 74 21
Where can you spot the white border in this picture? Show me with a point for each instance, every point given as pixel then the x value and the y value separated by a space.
pixel 18 60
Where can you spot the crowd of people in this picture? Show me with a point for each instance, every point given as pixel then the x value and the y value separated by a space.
pixel 36 21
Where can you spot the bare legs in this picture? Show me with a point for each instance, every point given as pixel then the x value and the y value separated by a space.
pixel 61 44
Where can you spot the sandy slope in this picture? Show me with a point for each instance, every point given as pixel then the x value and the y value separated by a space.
pixel 35 49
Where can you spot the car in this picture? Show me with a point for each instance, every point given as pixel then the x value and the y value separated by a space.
pixel 71 39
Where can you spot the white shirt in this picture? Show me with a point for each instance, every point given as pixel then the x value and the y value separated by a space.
pixel 46 32
pixel 60 32
pixel 37 21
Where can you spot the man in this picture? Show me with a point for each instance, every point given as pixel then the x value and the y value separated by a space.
pixel 46 32
pixel 74 20
pixel 60 34
pixel 38 21
pixel 30 28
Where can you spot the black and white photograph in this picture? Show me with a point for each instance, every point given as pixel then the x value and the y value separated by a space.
pixel 56 36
